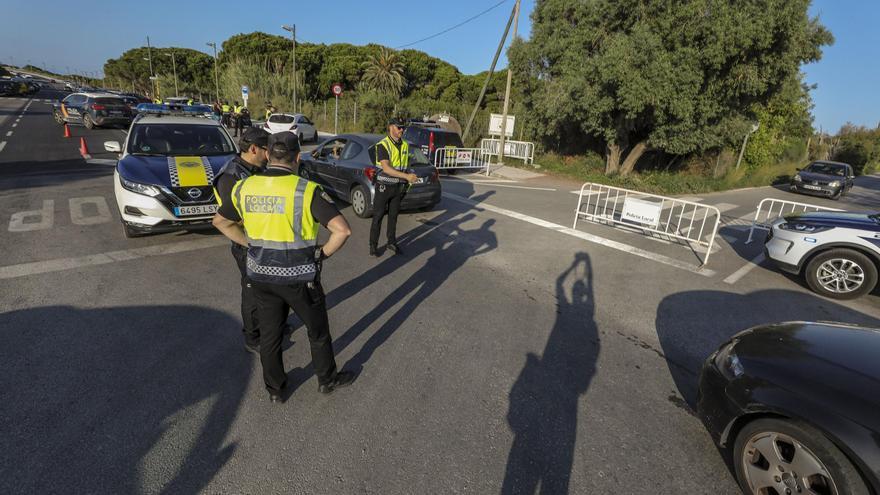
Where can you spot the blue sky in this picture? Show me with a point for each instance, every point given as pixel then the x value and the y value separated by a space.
pixel 82 35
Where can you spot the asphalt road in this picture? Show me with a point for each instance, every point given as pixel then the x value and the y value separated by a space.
pixel 501 354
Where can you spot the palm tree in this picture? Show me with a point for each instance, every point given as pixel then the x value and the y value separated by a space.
pixel 384 73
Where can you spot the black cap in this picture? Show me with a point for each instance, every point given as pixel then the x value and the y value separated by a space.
pixel 284 142
pixel 396 121
pixel 256 136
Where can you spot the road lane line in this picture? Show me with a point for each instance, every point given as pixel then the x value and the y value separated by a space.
pixel 62 264
pixel 2 145
pixel 585 236
pixel 8 133
pixel 742 272
pixel 15 124
pixel 513 187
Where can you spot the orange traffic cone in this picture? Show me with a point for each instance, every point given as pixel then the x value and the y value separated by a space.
pixel 83 148
pixel 66 131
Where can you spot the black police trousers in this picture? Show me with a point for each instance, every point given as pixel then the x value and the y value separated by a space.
pixel 308 302
pixel 250 326
pixel 388 196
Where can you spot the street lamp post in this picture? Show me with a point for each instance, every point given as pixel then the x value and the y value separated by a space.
pixel 174 66
pixel 216 74
pixel 292 29
pixel 152 76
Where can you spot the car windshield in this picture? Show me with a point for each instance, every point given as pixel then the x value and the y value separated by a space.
pixel 826 169
pixel 179 140
pixel 109 101
pixel 281 119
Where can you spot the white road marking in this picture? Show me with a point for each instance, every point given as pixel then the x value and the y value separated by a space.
pixel 57 265
pixel 78 216
pixel 15 124
pixel 692 199
pixel 46 215
pixel 742 272
pixel 2 145
pixel 8 133
pixel 585 236
pixel 480 180
pixel 513 187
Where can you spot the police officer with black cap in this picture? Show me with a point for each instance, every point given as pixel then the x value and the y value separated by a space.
pixel 253 144
pixel 277 214
pixel 392 156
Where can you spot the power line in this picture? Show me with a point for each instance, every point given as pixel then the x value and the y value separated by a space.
pixel 462 23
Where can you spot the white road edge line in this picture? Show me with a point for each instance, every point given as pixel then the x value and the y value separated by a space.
pixel 2 145
pixel 57 265
pixel 481 183
pixel 742 272
pixel 585 236
pixel 8 133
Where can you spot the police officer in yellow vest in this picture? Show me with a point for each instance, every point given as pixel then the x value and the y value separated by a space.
pixel 276 215
pixel 236 116
pixel 392 156
pixel 227 113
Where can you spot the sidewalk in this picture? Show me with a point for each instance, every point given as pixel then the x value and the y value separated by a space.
pixel 513 173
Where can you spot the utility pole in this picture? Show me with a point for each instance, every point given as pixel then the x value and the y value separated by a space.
pixel 174 65
pixel 150 59
pixel 216 73
pixel 507 90
pixel 292 29
pixel 742 150
pixel 470 121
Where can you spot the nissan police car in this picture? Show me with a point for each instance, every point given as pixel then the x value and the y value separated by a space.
pixel 164 177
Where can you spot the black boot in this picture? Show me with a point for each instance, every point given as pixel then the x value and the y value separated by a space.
pixel 374 251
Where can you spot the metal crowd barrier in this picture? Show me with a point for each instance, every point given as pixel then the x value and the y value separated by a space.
pixel 771 213
pixel 523 150
pixel 461 158
pixel 687 221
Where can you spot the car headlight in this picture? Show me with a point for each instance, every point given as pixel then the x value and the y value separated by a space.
pixel 797 178
pixel 803 227
pixel 728 362
pixel 136 187
pixel 834 183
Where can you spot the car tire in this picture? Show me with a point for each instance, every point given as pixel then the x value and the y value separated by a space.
pixel 822 265
pixel 59 119
pixel 88 122
pixel 797 439
pixel 130 233
pixel 359 199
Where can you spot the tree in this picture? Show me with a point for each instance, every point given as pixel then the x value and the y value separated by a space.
pixel 640 75
pixel 383 72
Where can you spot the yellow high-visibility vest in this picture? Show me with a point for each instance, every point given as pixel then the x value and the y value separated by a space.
pixel 398 158
pixel 282 233
pixel 225 108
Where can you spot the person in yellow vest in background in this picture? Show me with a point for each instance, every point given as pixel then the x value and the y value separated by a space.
pixel 270 109
pixel 190 101
pixel 236 117
pixel 276 215
pixel 157 100
pixel 227 113
pixel 392 156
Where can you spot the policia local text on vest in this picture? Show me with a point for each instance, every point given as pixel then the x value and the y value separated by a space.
pixel 392 156
pixel 277 215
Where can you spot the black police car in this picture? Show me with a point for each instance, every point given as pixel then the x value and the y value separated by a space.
pixel 797 405
pixel 92 110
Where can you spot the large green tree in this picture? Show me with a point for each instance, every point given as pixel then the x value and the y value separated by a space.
pixel 131 71
pixel 640 75
pixel 384 72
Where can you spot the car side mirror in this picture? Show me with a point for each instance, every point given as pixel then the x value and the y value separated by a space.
pixel 112 146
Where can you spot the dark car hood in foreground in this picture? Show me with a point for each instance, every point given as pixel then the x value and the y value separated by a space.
pixel 842 219
pixel 835 365
pixel 154 169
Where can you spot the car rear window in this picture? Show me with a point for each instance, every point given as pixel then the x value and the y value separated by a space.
pixel 281 119
pixel 444 139
pixel 109 101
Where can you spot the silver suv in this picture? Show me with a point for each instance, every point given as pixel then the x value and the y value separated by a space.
pixel 837 252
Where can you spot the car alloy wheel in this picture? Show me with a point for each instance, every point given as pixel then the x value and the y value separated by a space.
pixel 88 122
pixel 775 461
pixel 840 276
pixel 58 118
pixel 359 202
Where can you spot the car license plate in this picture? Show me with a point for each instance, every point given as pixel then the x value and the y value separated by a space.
pixel 421 180
pixel 814 188
pixel 188 211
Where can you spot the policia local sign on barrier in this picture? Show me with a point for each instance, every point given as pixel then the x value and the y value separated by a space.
pixel 641 212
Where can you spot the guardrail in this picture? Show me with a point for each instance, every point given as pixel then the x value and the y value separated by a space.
pixel 687 221
pixel 523 150
pixel 770 216
pixel 461 158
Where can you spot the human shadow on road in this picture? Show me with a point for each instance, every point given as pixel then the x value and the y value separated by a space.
pixel 117 400
pixel 544 400
pixel 450 254
pixel 691 325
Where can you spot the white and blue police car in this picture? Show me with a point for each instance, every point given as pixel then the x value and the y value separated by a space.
pixel 164 177
pixel 838 253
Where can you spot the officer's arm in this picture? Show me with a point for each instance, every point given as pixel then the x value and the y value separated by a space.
pixel 339 232
pixel 230 229
pixel 387 169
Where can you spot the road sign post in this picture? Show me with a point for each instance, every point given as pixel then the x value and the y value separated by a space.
pixel 337 92
pixel 244 94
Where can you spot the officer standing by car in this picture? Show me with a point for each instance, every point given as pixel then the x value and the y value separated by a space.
pixel 276 214
pixel 227 113
pixel 392 156
pixel 251 160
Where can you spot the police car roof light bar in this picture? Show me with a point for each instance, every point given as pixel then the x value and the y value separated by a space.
pixel 163 109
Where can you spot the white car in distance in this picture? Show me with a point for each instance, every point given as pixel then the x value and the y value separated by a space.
pixel 296 123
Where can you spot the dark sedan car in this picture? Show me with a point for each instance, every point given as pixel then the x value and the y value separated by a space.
pixel 92 110
pixel 798 404
pixel 823 178
pixel 344 166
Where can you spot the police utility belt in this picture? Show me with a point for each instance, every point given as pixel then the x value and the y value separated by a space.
pixel 387 179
